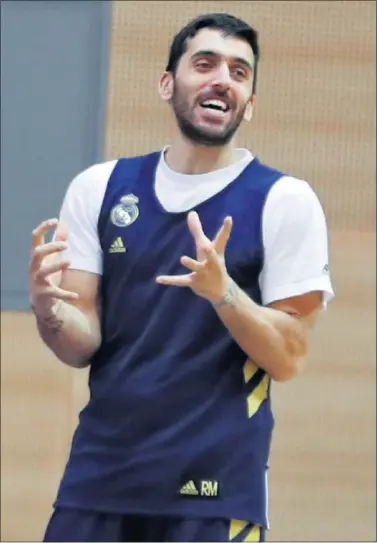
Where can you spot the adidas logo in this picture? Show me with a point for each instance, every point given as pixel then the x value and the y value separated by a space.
pixel 325 268
pixel 117 246
pixel 189 489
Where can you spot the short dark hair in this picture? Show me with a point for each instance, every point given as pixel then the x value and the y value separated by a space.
pixel 227 24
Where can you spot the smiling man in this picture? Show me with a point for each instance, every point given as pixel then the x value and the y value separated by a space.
pixel 188 279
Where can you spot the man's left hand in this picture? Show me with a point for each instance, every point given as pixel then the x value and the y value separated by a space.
pixel 209 277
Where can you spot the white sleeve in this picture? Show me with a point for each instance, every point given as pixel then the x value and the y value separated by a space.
pixel 295 240
pixel 80 211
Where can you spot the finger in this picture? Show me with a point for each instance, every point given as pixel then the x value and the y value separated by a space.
pixel 52 268
pixel 212 258
pixel 196 229
pixel 211 255
pixel 38 235
pixel 192 264
pixel 61 233
pixel 42 251
pixel 175 280
pixel 222 236
pixel 58 293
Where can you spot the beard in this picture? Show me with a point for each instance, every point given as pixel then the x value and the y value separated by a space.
pixel 199 135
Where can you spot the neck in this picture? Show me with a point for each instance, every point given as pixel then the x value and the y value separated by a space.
pixel 185 157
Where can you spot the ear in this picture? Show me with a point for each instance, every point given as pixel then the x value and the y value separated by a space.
pixel 166 86
pixel 249 109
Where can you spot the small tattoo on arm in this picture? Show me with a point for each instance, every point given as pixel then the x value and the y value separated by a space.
pixel 53 323
pixel 229 297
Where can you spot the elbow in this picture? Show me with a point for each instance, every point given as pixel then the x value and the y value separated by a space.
pixel 288 369
pixel 294 358
pixel 80 359
pixel 76 362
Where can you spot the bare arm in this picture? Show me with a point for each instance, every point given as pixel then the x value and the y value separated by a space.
pixel 65 302
pixel 276 338
pixel 72 329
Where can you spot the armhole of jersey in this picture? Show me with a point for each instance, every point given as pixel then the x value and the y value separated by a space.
pixel 139 160
pixel 262 223
pixel 106 191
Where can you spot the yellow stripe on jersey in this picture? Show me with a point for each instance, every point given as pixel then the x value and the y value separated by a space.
pixel 257 396
pixel 254 534
pixel 237 526
pixel 249 370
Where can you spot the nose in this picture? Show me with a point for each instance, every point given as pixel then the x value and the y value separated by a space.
pixel 222 79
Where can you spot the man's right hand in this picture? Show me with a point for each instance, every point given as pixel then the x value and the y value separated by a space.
pixel 45 269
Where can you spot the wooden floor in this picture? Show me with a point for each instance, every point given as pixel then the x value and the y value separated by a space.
pixel 323 470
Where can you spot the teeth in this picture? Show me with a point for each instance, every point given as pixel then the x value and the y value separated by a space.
pixel 215 103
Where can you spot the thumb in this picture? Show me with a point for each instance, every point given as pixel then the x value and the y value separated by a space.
pixel 61 232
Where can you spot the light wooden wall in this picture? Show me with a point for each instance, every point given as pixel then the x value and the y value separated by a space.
pixel 315 117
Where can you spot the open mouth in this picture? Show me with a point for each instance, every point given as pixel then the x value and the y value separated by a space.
pixel 215 105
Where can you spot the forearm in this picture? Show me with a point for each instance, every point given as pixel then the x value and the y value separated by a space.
pixel 274 340
pixel 70 334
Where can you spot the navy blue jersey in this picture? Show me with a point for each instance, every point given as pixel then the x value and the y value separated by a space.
pixel 178 421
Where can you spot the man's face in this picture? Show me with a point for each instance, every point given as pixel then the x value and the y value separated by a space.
pixel 212 87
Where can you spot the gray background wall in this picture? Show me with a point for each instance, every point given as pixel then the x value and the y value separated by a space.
pixel 54 66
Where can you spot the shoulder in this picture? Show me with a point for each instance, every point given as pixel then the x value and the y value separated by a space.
pixel 87 189
pixel 291 195
pixel 288 186
pixel 94 177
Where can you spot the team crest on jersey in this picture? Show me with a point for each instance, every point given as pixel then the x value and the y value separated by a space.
pixel 126 212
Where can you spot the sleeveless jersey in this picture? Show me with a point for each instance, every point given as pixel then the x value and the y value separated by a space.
pixel 178 421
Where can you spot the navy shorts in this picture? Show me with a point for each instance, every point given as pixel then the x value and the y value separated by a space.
pixel 71 525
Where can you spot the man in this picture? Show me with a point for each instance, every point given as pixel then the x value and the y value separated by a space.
pixel 188 280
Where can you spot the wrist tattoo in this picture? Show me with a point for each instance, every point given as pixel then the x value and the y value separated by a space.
pixel 229 297
pixel 53 323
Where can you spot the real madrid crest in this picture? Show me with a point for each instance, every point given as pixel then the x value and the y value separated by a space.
pixel 126 212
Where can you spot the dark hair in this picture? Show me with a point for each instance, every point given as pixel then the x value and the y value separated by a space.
pixel 227 24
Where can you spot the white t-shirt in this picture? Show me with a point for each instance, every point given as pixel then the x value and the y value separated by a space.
pixel 293 224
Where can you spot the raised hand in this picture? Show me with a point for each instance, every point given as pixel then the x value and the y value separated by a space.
pixel 209 277
pixel 46 267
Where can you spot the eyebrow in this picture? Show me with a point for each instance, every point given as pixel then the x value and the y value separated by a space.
pixel 209 53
